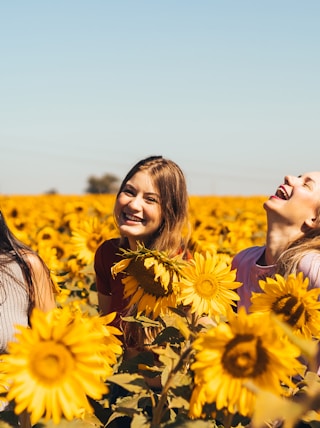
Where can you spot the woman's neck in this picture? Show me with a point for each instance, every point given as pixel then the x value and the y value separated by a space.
pixel 279 237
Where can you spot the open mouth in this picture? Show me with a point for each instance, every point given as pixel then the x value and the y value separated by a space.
pixel 282 193
pixel 131 217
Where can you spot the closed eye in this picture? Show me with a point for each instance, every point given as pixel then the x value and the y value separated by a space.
pixel 128 190
pixel 152 199
pixel 309 183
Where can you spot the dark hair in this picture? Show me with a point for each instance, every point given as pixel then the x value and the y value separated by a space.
pixel 168 178
pixel 14 249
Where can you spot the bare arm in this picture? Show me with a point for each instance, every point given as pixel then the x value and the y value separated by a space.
pixel 104 303
pixel 43 287
pixel 44 300
pixel 310 266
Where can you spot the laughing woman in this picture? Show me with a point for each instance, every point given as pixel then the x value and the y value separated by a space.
pixel 292 241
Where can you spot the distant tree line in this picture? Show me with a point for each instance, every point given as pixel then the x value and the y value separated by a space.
pixel 108 183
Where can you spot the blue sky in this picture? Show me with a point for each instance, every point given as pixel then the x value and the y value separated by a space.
pixel 227 89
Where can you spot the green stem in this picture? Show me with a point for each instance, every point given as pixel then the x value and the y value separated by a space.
pixel 157 413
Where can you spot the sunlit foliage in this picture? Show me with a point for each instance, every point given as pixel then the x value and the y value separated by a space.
pixel 200 363
pixel 66 230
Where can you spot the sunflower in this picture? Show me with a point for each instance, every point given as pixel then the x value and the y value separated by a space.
pixel 4 386
pixel 86 237
pixel 248 348
pixel 150 278
pixel 291 300
pixel 53 366
pixel 101 325
pixel 207 285
pixel 55 240
pixel 113 345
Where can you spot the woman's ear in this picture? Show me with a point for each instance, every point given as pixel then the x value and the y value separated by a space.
pixel 312 222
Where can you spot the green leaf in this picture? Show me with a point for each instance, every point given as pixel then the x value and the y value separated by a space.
pixel 168 335
pixel 129 401
pixel 131 382
pixel 88 421
pixel 168 357
pixel 151 372
pixel 179 403
pixel 182 421
pixel 181 382
pixel 115 416
pixel 5 425
pixel 139 421
pixel 143 321
pixel 180 312
pixel 131 365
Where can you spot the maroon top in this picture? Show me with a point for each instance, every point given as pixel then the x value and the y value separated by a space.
pixel 107 254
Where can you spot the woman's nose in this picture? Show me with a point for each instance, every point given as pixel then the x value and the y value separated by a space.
pixel 290 180
pixel 135 203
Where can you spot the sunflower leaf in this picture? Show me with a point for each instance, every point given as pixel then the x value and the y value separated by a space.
pixel 139 421
pixel 181 312
pixel 168 335
pixel 131 365
pixel 144 321
pixel 131 382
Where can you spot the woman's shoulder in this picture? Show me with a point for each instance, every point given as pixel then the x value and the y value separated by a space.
pixel 35 263
pixel 108 250
pixel 250 253
pixel 32 258
pixel 309 265
pixel 309 262
pixel 110 245
pixel 311 257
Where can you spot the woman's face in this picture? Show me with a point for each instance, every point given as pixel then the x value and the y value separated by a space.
pixel 138 209
pixel 297 200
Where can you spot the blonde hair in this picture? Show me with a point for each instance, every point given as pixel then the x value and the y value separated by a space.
pixel 289 260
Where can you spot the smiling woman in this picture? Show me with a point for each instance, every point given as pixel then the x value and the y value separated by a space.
pixel 152 209
pixel 292 241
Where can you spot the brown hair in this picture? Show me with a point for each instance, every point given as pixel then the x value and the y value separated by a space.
pixel 173 234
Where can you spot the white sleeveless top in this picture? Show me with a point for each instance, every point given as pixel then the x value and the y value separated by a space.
pixel 14 300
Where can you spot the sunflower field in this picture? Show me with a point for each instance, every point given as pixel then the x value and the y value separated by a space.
pixel 201 362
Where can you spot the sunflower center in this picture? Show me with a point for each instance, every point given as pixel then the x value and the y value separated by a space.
pixel 244 356
pixel 290 308
pixel 206 286
pixel 50 361
pixel 46 236
pixel 93 242
pixel 60 252
pixel 145 278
